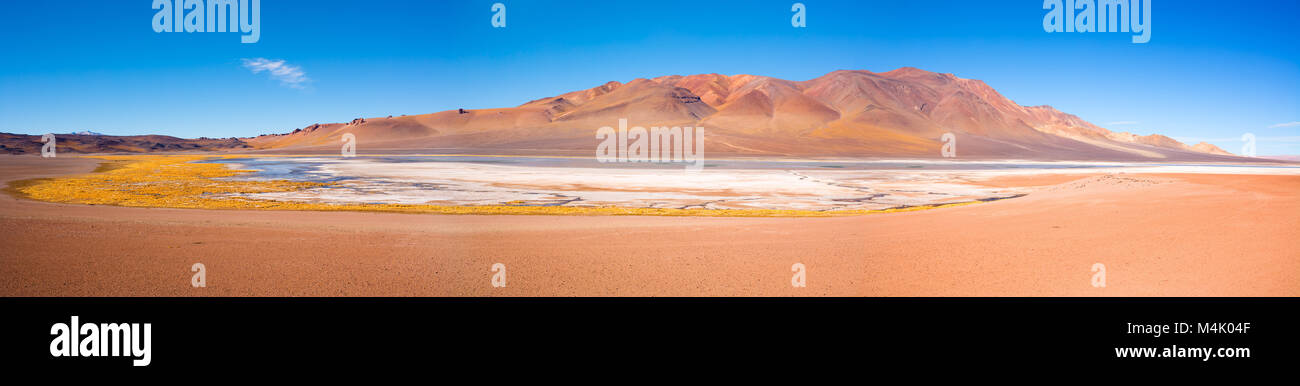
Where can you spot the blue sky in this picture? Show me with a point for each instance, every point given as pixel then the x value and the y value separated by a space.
pixel 1212 70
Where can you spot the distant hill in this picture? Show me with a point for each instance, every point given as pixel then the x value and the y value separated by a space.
pixel 98 143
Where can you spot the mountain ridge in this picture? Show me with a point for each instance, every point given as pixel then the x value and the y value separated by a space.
pixel 844 113
pixel 899 113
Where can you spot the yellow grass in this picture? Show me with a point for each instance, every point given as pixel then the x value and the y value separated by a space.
pixel 176 181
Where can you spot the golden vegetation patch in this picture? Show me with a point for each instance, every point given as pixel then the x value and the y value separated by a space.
pixel 158 181
pixel 176 181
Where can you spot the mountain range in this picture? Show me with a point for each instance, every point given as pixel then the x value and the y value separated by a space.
pixel 900 113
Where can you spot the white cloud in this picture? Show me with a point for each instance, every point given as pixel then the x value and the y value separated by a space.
pixel 289 75
pixel 1288 124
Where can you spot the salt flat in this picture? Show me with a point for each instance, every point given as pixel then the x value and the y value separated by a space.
pixel 728 184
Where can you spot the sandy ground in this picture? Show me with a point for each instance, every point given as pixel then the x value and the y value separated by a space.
pixel 1158 235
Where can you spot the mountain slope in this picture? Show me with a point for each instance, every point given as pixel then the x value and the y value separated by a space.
pixel 900 113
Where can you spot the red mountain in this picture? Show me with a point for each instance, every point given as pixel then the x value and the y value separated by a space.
pixel 900 113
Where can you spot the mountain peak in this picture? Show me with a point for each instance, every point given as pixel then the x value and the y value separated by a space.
pixel 908 69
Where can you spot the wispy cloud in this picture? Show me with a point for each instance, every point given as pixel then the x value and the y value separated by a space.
pixel 1122 123
pixel 1288 124
pixel 289 75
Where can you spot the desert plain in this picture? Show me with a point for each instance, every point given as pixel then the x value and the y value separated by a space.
pixel 1157 234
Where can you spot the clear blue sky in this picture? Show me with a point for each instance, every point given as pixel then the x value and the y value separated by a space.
pixel 1212 70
